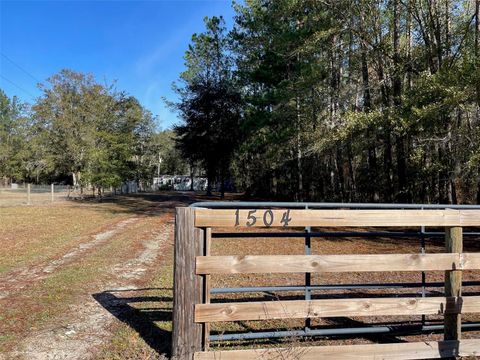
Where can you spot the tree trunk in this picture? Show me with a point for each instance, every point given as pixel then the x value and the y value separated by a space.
pixel 222 179
pixel 397 93
pixel 209 180
pixel 75 178
pixel 477 47
pixel 367 106
pixel 478 186
pixel 341 177
pixel 299 164
pixel 192 171
pixel 274 185
pixel 409 44
pixel 477 68
pixel 353 192
pixel 367 98
pixel 448 26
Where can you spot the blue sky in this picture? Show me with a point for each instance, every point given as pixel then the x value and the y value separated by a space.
pixel 140 44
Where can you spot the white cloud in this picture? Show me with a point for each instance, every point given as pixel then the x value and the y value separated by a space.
pixel 146 63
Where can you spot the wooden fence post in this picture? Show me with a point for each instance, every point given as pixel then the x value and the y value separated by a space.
pixel 53 192
pixel 29 200
pixel 453 283
pixel 187 335
pixel 206 287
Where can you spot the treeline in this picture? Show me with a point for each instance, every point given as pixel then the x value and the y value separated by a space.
pixel 83 133
pixel 338 100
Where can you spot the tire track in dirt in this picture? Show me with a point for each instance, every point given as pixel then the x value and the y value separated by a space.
pixel 21 278
pixel 86 327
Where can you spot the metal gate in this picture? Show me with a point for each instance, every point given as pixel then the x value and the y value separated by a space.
pixel 197 225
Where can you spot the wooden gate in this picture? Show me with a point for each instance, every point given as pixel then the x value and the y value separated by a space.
pixel 193 311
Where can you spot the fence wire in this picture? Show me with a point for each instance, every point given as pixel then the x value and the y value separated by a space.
pixel 23 194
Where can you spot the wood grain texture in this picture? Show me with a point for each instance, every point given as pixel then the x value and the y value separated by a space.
pixel 254 264
pixel 206 287
pixel 301 309
pixel 469 261
pixel 188 287
pixel 301 218
pixel 453 283
pixel 398 351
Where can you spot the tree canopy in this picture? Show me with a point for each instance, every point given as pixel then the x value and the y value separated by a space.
pixel 344 100
pixel 81 132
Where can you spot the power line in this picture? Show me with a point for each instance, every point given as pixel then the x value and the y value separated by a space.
pixel 18 86
pixel 21 68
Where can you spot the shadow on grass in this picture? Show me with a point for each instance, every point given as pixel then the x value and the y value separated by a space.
pixel 141 319
pixel 148 204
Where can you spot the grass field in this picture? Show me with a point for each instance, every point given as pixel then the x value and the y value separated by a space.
pixel 57 261
pixel 94 280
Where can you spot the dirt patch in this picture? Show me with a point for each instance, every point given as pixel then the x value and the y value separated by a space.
pixel 78 334
pixel 19 279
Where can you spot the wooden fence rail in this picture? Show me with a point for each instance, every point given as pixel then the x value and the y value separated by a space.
pixel 193 311
pixel 257 264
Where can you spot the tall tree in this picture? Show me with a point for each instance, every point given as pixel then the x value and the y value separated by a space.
pixel 93 133
pixel 14 141
pixel 209 103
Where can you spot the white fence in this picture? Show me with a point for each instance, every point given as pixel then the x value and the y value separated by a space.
pixel 179 183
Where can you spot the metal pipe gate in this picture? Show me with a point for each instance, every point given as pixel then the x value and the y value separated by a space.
pixel 308 288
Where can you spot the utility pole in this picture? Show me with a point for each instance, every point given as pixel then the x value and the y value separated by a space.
pixel 158 169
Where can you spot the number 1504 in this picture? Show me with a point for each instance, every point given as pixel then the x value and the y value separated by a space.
pixel 267 218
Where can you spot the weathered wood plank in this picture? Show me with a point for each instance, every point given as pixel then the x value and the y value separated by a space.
pixel 188 287
pixel 453 283
pixel 301 309
pixel 469 217
pixel 301 218
pixel 469 261
pixel 206 287
pixel 335 263
pixel 398 351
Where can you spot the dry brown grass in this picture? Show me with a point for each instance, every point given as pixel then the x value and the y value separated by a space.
pixel 35 236
pixel 31 234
